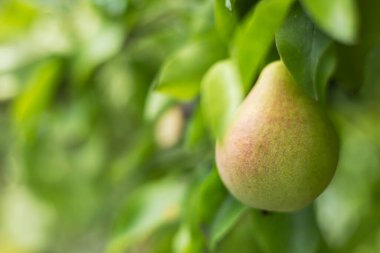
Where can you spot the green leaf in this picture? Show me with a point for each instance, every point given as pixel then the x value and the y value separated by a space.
pixel 181 74
pixel 358 168
pixel 206 207
pixel 338 18
pixel 196 132
pixel 351 58
pixel 204 204
pixel 37 95
pixel 222 79
pixel 228 215
pixel 131 159
pixel 273 231
pixel 240 237
pixel 254 39
pixel 148 208
pixel 306 52
pixel 159 241
pixel 225 18
pixel 286 233
pixel 16 17
pixel 369 23
pixel 306 237
pixel 155 103
pixel 97 49
pixel 324 72
pixel 371 87
pixel 229 4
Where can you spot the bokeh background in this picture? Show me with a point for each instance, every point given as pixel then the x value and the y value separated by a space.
pixel 94 158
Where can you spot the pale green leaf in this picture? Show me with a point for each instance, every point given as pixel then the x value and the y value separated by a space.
pixel 155 103
pixel 229 213
pixel 196 131
pixel 222 92
pixel 181 74
pixel 338 18
pixel 16 17
pixel 255 37
pixel 37 95
pixel 151 206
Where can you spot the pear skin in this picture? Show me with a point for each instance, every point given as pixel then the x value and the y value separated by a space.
pixel 280 150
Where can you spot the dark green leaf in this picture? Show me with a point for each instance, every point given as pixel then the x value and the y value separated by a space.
pixel 306 52
pixel 371 86
pixel 369 23
pixel 254 38
pixel 324 72
pixel 286 233
pixel 351 59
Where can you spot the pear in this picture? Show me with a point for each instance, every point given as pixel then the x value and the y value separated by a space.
pixel 280 150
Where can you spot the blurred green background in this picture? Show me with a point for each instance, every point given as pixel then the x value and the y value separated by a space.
pixel 109 112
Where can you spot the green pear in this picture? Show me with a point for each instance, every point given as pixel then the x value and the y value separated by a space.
pixel 280 150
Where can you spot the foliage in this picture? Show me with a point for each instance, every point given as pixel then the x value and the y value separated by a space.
pixel 110 110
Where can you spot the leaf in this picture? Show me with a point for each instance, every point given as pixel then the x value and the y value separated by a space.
pixel 240 237
pixel 16 17
pixel 97 49
pixel 286 233
pixel 229 213
pixel 206 207
pixel 132 158
pixel 181 74
pixel 37 95
pixel 338 18
pixel 324 72
pixel 155 103
pixel 151 206
pixel 225 18
pixel 229 4
pixel 222 79
pixel 273 231
pixel 159 241
pixel 196 131
pixel 306 237
pixel 306 52
pixel 369 32
pixel 254 39
pixel 351 58
pixel 358 168
pixel 206 198
pixel 371 86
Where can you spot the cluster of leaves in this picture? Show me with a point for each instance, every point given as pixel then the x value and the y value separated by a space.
pixel 110 110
